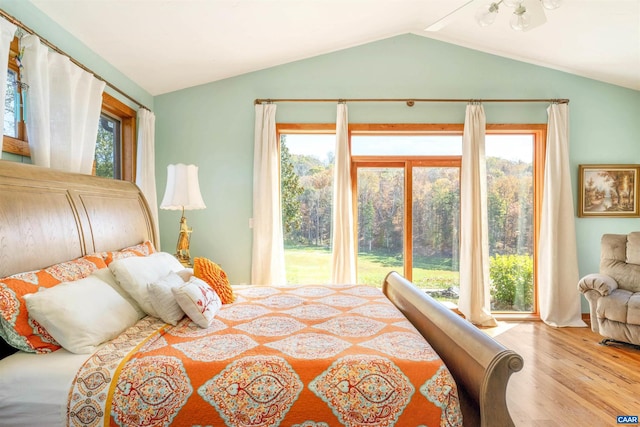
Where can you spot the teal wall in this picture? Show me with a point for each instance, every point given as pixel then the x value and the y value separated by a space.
pixel 212 125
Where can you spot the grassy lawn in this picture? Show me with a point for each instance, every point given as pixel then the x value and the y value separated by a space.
pixel 308 265
pixel 311 265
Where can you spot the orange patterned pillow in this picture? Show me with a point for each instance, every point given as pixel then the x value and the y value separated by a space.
pixel 211 273
pixel 16 327
pixel 145 248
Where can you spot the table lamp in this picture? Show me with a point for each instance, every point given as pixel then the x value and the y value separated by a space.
pixel 182 193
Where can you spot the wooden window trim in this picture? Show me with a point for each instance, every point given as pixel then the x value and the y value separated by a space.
pixel 307 128
pixel 15 146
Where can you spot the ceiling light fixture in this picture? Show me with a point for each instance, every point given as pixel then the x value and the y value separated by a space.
pixel 522 18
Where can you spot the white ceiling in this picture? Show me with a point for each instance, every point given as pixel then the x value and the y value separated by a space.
pixel 167 45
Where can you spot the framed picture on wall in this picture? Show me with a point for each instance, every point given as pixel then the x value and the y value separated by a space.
pixel 608 191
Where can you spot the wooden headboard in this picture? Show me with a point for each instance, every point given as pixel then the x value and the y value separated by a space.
pixel 48 216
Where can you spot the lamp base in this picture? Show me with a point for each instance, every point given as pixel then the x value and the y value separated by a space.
pixel 186 262
pixel 184 238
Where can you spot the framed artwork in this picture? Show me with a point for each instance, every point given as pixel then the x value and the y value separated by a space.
pixel 608 191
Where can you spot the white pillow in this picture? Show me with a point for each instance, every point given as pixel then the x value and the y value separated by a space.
pixel 198 300
pixel 135 273
pixel 83 314
pixel 186 274
pixel 107 276
pixel 162 299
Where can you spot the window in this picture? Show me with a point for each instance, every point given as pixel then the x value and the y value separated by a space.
pixel 380 222
pixel 12 104
pixel 408 206
pixel 406 185
pixel 514 187
pixel 395 146
pixel 306 177
pixel 108 148
pixel 115 147
pixel 14 129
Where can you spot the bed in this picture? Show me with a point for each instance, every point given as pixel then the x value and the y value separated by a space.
pixel 293 365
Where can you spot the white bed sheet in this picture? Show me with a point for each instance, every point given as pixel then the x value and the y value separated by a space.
pixel 34 388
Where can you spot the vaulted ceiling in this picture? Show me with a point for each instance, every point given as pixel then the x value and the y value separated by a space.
pixel 167 45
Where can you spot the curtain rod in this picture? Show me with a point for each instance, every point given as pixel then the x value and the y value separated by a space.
pixel 53 47
pixel 409 101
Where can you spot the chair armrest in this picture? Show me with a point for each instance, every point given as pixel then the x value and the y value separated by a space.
pixel 601 283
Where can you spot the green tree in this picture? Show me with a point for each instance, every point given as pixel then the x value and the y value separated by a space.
pixel 365 224
pixel 290 190
pixel 510 206
pixel 316 203
pixel 104 150
pixel 511 277
pixel 9 107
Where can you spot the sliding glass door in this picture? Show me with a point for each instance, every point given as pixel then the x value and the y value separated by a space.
pixel 435 223
pixel 408 212
pixel 511 210
pixel 381 218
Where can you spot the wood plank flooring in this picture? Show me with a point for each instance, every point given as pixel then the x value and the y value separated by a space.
pixel 569 379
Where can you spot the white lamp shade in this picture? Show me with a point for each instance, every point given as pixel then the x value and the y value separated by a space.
pixel 183 188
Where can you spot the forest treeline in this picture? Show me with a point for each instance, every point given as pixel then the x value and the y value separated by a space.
pixel 104 155
pixel 307 199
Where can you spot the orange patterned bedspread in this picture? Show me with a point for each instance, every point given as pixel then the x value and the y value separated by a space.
pixel 304 356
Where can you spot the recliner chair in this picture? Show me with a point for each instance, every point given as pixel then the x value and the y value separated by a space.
pixel 614 292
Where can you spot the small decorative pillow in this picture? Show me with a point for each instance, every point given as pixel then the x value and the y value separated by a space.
pixel 135 273
pixel 145 248
pixel 162 299
pixel 83 314
pixel 211 273
pixel 198 300
pixel 16 326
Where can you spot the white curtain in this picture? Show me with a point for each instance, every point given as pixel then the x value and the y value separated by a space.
pixel 146 164
pixel 7 30
pixel 63 109
pixel 557 255
pixel 267 263
pixel 474 300
pixel 343 263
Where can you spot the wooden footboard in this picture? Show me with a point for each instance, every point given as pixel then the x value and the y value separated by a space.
pixel 480 365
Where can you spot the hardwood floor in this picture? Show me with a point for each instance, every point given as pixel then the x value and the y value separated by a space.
pixel 569 379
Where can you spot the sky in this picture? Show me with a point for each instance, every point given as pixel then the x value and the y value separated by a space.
pixel 511 147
